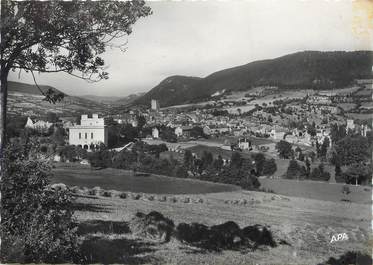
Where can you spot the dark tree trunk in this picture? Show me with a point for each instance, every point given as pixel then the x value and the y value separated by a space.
pixel 3 84
pixel 3 108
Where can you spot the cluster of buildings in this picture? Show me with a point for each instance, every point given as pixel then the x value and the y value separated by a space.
pixel 273 122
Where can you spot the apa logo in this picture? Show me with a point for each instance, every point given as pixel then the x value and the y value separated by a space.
pixel 339 237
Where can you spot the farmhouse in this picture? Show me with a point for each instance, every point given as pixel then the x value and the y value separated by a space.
pixel 183 131
pixel 40 125
pixel 90 133
pixel 155 133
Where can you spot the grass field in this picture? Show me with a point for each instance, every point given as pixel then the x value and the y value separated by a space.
pixel 307 225
pixel 318 190
pixel 124 180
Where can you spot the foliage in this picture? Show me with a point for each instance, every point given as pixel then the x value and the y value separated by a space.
pixel 101 158
pixel 284 149
pixel 324 148
pixel 141 121
pixel 36 219
pixel 197 132
pixel 352 150
pixel 319 173
pixel 168 134
pixel 269 167
pixel 311 129
pixel 337 132
pixel 64 36
pixel 72 153
pixel 294 170
pixel 357 173
pixel 259 159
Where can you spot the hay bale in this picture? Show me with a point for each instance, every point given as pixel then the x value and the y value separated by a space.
pixel 243 202
pixel 107 193
pixel 172 199
pixel 162 198
pixel 186 200
pixel 92 192
pixel 195 234
pixel 226 235
pixel 153 226
pixel 259 234
pixel 150 198
pixel 123 195
pixel 135 196
pixel 95 191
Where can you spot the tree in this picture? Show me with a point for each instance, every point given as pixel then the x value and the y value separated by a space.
pixel 188 159
pixel 141 121
pixel 101 158
pixel 218 163
pixel 36 222
pixel 311 129
pixel 168 134
pixel 319 173
pixel 293 170
pixel 197 132
pixel 358 174
pixel 317 148
pixel 353 150
pixel 337 132
pixel 259 159
pixel 52 117
pixel 269 167
pixel 207 159
pixel 58 136
pixel 60 36
pixel 308 167
pixel 324 147
pixel 284 149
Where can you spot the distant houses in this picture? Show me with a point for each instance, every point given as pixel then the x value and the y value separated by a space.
pixel 155 133
pixel 40 125
pixel 183 131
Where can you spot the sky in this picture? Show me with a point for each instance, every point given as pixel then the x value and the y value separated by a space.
pixel 197 38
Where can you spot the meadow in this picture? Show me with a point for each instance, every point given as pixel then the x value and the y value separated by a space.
pixel 125 180
pixel 304 218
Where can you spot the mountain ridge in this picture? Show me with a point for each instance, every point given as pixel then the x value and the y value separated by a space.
pixel 305 70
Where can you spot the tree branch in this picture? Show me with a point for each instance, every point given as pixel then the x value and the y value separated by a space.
pixel 33 77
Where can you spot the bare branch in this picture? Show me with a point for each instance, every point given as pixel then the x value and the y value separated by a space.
pixel 33 77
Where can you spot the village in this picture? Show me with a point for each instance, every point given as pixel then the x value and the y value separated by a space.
pixel 305 123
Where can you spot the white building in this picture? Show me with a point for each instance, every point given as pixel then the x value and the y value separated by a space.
pixel 350 125
pixel 41 126
pixel 155 133
pixel 90 133
pixel 155 104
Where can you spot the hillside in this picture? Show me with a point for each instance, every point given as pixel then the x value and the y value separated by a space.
pixel 26 99
pixel 170 90
pixel 308 69
pixel 129 99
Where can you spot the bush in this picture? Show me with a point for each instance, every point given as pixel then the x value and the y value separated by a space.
pixel 269 167
pixel 37 219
